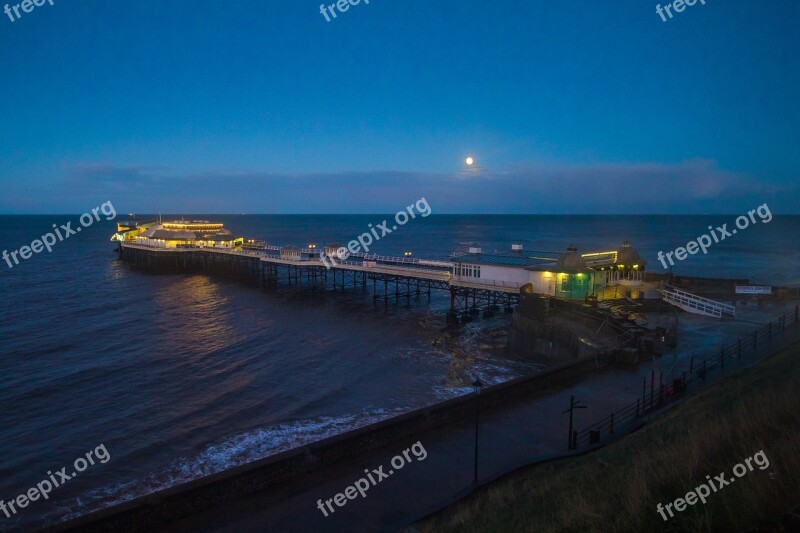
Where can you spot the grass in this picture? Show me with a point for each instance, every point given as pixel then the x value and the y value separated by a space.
pixel 617 488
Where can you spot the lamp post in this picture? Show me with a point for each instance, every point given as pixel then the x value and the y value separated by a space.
pixel 477 385
pixel 573 404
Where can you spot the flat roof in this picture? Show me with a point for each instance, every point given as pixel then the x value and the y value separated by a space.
pixel 515 260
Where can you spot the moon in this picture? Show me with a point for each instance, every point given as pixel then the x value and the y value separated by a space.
pixel 470 161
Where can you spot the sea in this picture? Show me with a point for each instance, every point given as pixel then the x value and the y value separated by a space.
pixel 182 376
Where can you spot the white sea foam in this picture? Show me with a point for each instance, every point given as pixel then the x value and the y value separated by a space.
pixel 234 451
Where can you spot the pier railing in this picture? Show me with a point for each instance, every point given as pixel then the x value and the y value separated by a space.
pixel 658 394
pixel 315 252
pixel 466 281
pixel 403 260
pixel 366 266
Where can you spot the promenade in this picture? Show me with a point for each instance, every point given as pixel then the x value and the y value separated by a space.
pixel 512 436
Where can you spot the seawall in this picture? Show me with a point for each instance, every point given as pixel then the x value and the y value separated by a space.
pixel 165 506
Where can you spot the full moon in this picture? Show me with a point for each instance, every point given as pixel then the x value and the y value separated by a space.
pixel 470 161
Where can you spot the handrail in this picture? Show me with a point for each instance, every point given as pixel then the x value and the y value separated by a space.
pixel 726 307
pixel 698 367
pixel 366 256
pixel 683 301
pixel 493 283
pixel 379 267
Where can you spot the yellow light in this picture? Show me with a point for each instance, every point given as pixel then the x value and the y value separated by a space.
pixel 635 267
pixel 196 226
pixel 547 274
pixel 580 276
pixel 620 266
pixel 470 161
pixel 595 254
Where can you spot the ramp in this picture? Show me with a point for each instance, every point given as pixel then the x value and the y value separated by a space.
pixel 698 305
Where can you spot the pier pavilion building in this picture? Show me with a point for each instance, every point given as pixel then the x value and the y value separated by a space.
pixel 183 234
pixel 292 253
pixel 629 266
pixel 572 277
pixel 332 249
pixel 564 275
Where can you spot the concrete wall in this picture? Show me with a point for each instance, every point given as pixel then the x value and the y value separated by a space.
pixel 498 273
pixel 542 282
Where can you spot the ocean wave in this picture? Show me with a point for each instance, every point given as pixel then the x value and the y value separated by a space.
pixel 234 451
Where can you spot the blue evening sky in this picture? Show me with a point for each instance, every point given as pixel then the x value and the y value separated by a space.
pixel 261 106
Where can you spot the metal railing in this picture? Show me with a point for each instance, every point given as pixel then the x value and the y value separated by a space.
pixel 705 306
pixel 402 260
pixel 658 395
pixel 488 282
pixel 393 269
pixel 314 252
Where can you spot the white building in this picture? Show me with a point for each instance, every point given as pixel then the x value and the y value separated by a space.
pixel 566 275
pixel 291 253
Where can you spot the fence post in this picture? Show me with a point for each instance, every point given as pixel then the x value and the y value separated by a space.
pixel 644 394
pixel 637 407
pixel 652 386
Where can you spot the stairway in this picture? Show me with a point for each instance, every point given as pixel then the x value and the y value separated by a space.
pixel 698 305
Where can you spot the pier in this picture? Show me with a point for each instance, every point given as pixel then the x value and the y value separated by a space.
pixel 478 282
pixel 392 278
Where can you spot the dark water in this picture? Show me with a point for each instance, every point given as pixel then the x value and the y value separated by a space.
pixel 183 376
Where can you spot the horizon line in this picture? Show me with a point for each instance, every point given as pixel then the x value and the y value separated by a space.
pixel 148 215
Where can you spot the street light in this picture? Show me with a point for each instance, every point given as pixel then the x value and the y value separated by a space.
pixel 573 404
pixel 477 385
pixel 407 254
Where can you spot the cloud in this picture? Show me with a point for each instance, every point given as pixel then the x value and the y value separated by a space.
pixel 623 187
pixel 695 186
pixel 112 178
